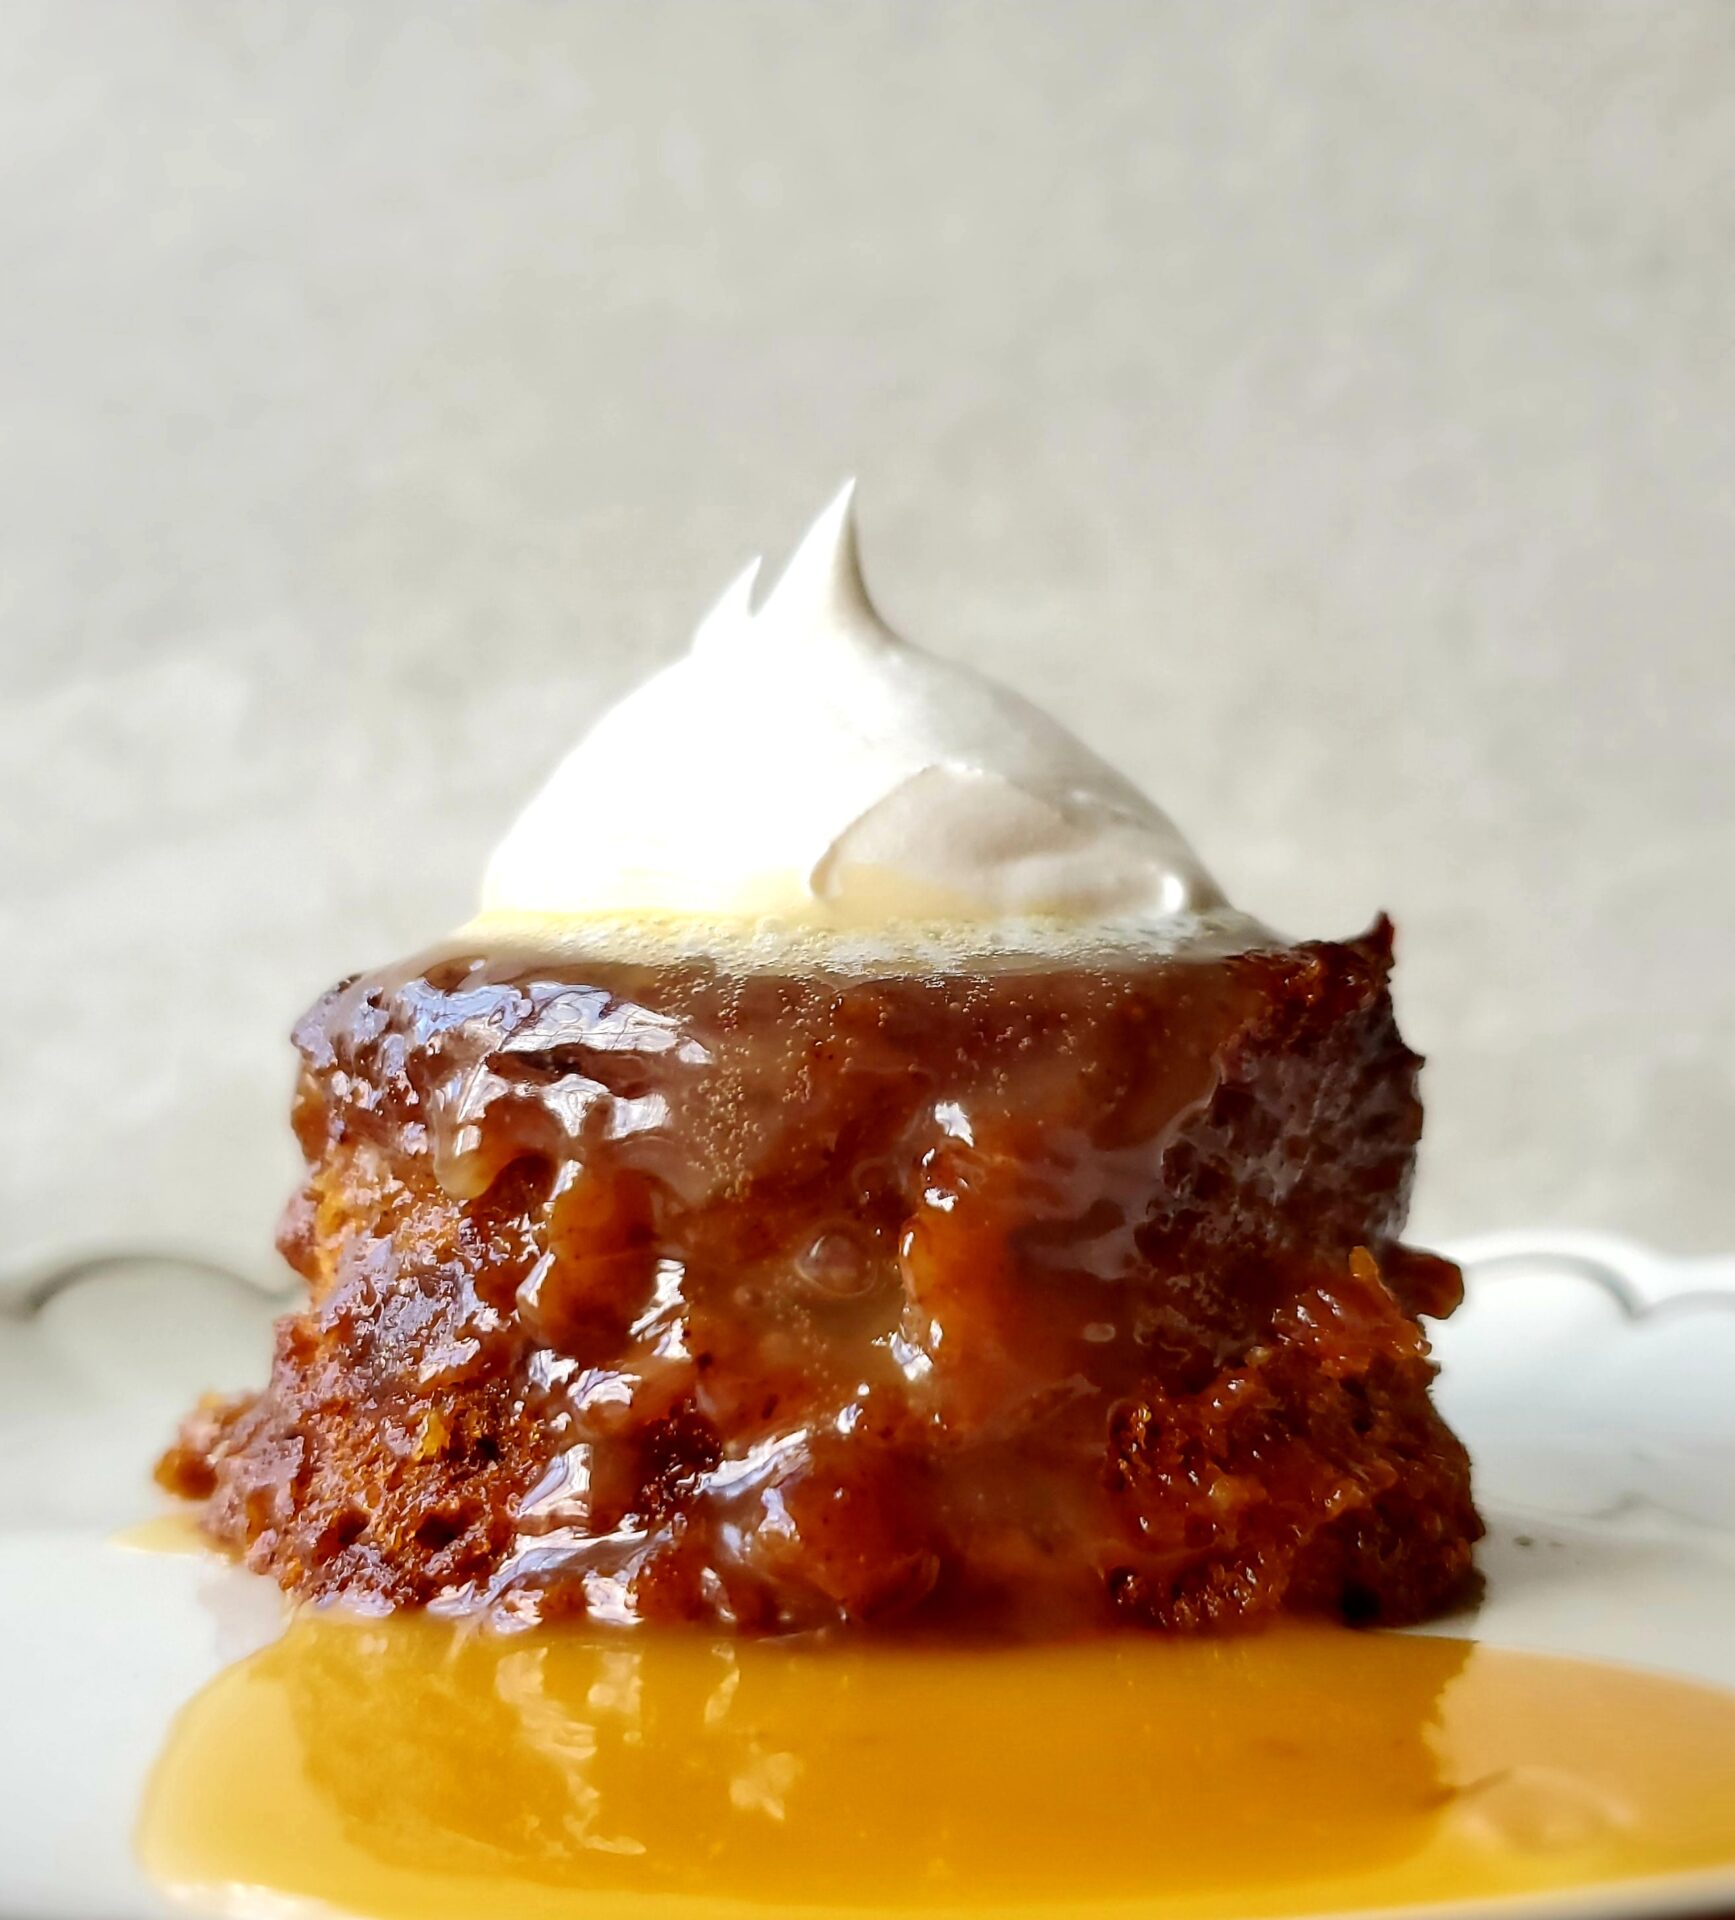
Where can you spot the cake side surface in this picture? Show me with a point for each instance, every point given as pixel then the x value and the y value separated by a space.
pixel 1037 1296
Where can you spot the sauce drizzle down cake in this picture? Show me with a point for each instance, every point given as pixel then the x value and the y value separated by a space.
pixel 857 1169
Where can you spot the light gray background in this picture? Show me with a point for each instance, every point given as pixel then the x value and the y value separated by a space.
pixel 1327 409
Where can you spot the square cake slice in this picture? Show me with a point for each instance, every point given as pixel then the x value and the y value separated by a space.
pixel 1021 1294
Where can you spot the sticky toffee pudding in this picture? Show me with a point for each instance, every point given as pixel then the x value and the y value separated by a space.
pixel 797 1270
pixel 1021 1296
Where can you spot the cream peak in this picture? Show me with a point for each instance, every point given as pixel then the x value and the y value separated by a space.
pixel 803 763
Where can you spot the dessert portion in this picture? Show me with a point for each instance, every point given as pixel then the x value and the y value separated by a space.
pixel 857 1169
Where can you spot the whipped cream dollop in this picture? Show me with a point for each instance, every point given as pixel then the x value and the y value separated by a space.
pixel 802 763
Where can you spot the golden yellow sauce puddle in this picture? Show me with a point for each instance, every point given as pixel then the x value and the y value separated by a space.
pixel 409 1770
pixel 175 1532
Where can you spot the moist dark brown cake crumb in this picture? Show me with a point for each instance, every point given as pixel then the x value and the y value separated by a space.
pixel 1024 1298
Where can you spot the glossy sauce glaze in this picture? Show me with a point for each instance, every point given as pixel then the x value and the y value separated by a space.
pixel 1035 1295
pixel 406 1769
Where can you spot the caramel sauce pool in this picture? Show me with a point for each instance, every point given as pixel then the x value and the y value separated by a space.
pixel 408 1769
pixel 176 1532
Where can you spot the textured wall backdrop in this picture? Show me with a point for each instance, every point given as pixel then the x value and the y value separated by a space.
pixel 1328 409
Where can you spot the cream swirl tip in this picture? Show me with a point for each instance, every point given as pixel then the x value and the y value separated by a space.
pixel 803 762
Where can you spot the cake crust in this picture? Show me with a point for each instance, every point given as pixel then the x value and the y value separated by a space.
pixel 1023 1298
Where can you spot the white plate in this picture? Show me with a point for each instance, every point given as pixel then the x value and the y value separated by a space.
pixel 1594 1383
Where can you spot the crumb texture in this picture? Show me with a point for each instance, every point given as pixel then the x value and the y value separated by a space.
pixel 1024 1299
